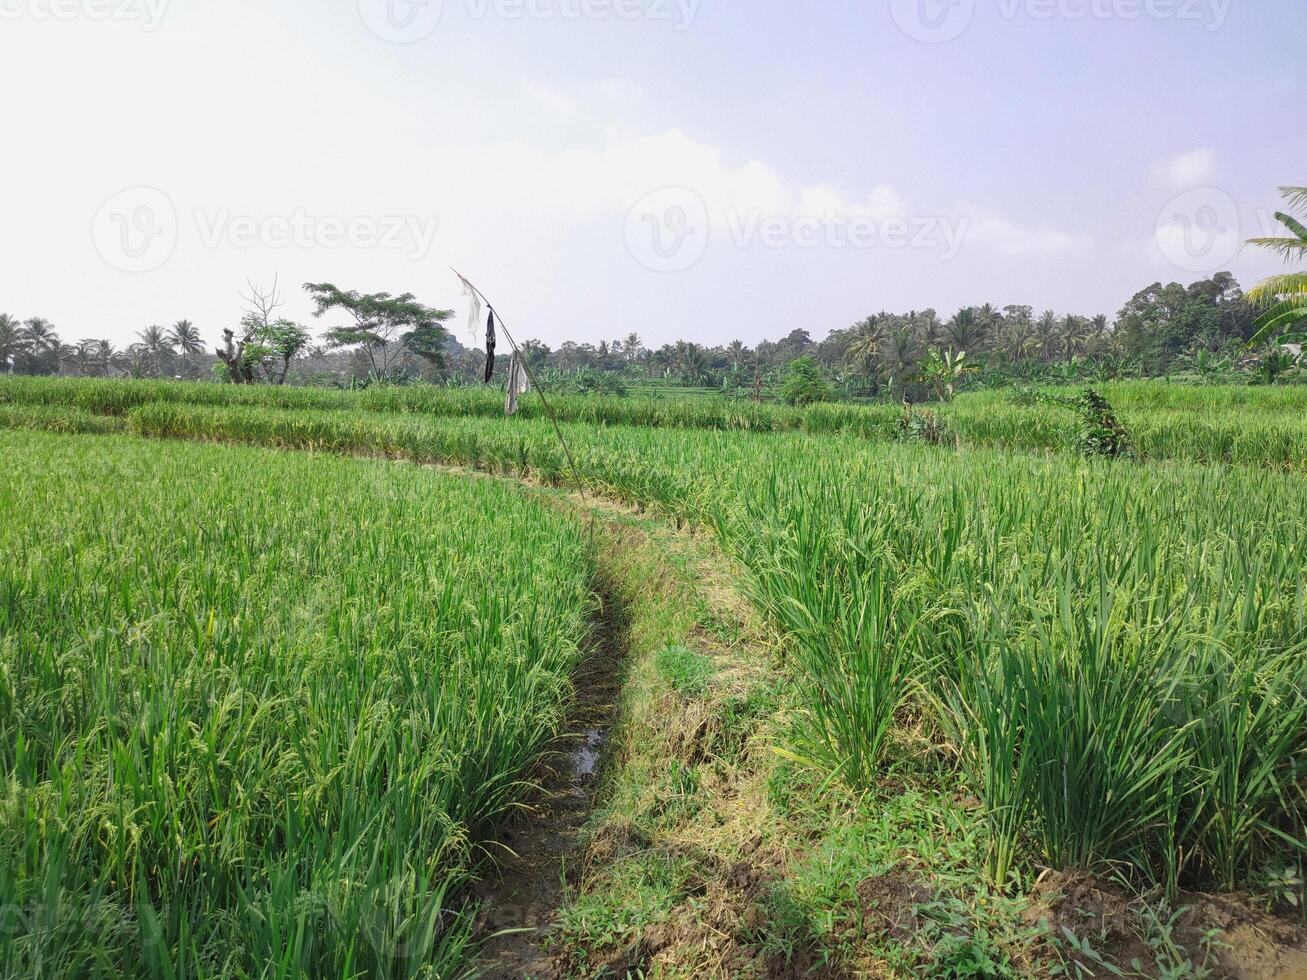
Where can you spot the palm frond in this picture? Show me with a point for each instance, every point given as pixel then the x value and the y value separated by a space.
pixel 1295 197
pixel 1271 290
pixel 1287 248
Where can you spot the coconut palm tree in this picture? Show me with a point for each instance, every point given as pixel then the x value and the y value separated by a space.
pixel 736 350
pixel 155 347
pixel 41 346
pixel 863 351
pixel 1047 330
pixel 965 331
pixel 897 353
pixel 633 346
pixel 186 338
pixel 12 342
pixel 1075 331
pixel 105 358
pixel 1283 298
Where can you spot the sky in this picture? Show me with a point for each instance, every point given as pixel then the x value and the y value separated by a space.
pixel 707 170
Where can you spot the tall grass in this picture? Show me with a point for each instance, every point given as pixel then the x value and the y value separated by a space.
pixel 1115 652
pixel 258 710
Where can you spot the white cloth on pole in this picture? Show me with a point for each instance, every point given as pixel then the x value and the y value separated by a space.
pixel 474 313
pixel 518 384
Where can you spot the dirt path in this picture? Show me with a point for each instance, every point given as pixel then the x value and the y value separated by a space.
pixel 522 895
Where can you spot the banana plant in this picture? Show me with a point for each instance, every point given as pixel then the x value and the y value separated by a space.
pixel 942 372
pixel 1283 298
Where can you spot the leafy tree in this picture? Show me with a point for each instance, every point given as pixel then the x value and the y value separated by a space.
pixel 1161 323
pixel 1283 298
pixel 387 329
pixel 273 346
pixel 804 384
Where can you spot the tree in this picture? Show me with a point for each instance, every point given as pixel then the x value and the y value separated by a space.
pixel 803 384
pixel 12 343
pixel 633 346
pixel 279 342
pixel 388 329
pixel 39 352
pixel 186 338
pixel 157 347
pixel 1046 335
pixel 1283 298
pixel 942 373
pixel 966 330
pixel 863 351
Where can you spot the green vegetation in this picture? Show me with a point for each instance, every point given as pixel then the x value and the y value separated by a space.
pixel 258 710
pixel 1105 657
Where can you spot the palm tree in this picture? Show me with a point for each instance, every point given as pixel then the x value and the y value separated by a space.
pixel 1046 334
pixel 186 338
pixel 105 357
pixel 864 349
pixel 897 353
pixel 1075 331
pixel 154 346
pixel 692 362
pixel 1283 298
pixel 966 331
pixel 633 345
pixel 41 345
pixel 736 350
pixel 12 342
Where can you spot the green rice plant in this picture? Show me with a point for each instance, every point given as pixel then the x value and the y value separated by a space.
pixel 1068 624
pixel 258 710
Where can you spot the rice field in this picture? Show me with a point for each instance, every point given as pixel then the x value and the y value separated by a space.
pixel 258 711
pixel 1109 657
pixel 1254 426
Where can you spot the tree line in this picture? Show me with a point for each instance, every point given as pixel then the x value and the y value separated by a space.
pixel 1204 326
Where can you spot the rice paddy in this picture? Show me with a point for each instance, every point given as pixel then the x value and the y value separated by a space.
pixel 263 704
pixel 260 711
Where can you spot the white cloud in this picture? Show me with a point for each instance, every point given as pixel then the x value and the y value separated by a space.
pixel 1192 169
pixel 548 99
pixel 990 228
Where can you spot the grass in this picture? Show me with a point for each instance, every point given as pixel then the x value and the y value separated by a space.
pixel 1107 658
pixel 259 710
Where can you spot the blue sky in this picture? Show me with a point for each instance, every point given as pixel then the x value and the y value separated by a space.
pixel 706 169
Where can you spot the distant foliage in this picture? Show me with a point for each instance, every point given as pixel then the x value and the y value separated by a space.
pixel 804 384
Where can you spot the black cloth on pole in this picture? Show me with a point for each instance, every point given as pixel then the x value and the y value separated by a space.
pixel 490 347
